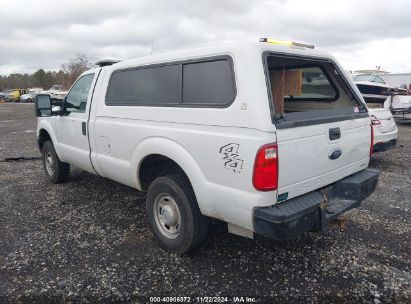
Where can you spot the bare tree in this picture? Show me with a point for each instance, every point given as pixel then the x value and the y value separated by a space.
pixel 75 66
pixel 66 76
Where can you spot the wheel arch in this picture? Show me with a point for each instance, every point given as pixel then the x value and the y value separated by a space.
pixel 45 132
pixel 43 137
pixel 169 153
pixel 156 165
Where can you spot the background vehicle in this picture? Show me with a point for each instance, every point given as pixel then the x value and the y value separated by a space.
pixel 271 139
pixel 385 129
pixel 13 95
pixel 372 87
pixel 2 96
pixel 56 92
pixel 399 105
pixel 31 95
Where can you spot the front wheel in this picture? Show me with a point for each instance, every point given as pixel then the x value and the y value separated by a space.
pixel 56 171
pixel 173 214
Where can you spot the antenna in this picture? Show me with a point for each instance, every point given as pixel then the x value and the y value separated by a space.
pixel 152 44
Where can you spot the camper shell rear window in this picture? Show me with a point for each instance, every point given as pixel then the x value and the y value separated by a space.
pixel 307 91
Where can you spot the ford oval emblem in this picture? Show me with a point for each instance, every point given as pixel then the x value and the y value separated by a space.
pixel 334 154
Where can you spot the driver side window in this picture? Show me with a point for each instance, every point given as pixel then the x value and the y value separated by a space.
pixel 76 100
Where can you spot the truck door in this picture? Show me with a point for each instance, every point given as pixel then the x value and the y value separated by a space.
pixel 72 126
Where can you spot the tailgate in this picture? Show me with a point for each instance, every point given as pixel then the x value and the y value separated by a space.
pixel 323 127
pixel 306 160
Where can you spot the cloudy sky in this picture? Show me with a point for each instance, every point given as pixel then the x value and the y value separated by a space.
pixel 46 33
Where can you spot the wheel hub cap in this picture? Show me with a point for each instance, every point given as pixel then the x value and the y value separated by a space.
pixel 49 163
pixel 167 216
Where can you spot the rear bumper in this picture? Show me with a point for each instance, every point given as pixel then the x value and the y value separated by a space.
pixel 384 146
pixel 313 211
pixel 385 141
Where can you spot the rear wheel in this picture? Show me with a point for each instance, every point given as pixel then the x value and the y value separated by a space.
pixel 173 214
pixel 56 171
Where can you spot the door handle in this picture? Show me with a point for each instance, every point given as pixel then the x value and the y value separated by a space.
pixel 334 133
pixel 84 128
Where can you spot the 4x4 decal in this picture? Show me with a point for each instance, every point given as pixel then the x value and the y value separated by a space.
pixel 231 157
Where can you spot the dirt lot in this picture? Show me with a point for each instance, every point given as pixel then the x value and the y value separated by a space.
pixel 87 240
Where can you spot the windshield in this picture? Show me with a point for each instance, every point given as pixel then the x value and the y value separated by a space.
pixel 368 77
pixel 362 77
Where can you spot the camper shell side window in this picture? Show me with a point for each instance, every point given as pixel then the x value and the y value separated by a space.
pixel 205 82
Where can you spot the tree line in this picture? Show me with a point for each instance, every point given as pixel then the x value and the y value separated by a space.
pixel 67 74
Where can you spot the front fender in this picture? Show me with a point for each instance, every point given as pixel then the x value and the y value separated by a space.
pixel 45 124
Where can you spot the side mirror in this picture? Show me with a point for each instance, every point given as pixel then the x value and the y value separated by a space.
pixel 42 105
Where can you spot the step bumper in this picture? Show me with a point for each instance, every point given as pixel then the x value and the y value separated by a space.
pixel 313 211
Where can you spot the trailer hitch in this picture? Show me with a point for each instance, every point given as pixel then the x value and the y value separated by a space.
pixel 339 222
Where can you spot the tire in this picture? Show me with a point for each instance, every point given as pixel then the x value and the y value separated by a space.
pixel 173 214
pixel 56 171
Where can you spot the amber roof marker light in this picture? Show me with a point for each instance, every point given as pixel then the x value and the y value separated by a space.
pixel 288 43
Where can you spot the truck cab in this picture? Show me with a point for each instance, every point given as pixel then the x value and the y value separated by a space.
pixel 270 138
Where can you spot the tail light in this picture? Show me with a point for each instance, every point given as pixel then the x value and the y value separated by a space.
pixel 265 176
pixel 372 139
pixel 375 121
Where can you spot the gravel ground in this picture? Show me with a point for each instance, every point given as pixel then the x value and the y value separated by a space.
pixel 87 241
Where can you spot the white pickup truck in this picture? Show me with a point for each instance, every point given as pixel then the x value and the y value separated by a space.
pixel 272 139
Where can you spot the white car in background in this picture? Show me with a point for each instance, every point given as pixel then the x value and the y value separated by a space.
pixel 385 129
pixel 56 92
pixel 31 95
